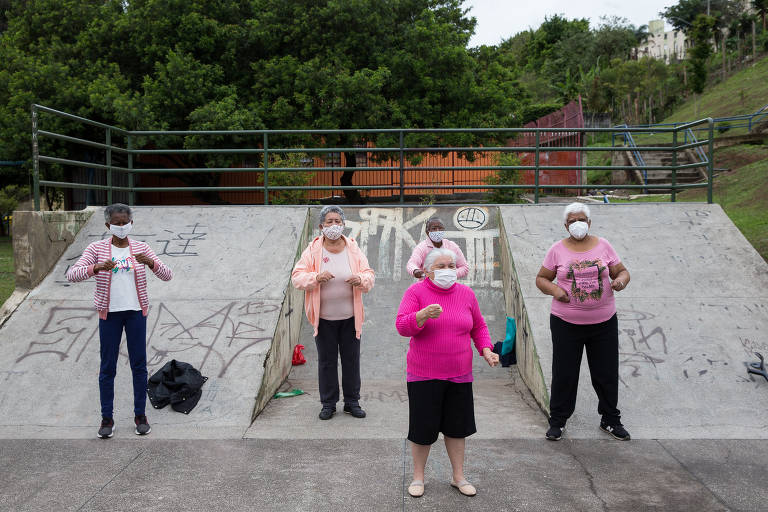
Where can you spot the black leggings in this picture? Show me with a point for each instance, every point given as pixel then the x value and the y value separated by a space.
pixel 568 342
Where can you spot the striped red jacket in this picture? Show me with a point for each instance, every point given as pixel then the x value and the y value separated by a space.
pixel 101 251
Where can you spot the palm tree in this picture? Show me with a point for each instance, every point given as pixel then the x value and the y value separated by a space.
pixel 761 6
pixel 642 34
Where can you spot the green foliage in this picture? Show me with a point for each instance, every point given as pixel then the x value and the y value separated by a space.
pixel 10 197
pixel 702 49
pixel 505 177
pixel 167 64
pixel 288 178
pixel 535 111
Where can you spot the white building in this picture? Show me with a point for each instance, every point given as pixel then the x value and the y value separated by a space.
pixel 669 45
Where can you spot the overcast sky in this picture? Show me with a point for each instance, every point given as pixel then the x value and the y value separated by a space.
pixel 501 19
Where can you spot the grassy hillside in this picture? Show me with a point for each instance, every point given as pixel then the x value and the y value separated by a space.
pixel 6 268
pixel 742 93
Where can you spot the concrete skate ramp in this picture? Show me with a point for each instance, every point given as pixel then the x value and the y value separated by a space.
pixel 229 311
pixel 503 406
pixel 694 313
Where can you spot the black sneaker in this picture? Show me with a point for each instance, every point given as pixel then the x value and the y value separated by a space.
pixel 555 433
pixel 617 431
pixel 354 410
pixel 107 428
pixel 142 425
pixel 327 412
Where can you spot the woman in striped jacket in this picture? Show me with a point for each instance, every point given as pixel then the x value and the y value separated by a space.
pixel 122 303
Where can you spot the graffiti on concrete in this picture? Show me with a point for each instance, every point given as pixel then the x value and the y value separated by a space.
pixel 168 243
pixel 211 341
pixel 182 244
pixel 388 238
pixel 641 347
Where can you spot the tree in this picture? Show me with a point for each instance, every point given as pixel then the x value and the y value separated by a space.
pixel 761 6
pixel 252 64
pixel 702 49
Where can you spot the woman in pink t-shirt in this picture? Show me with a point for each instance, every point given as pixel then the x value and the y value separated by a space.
pixel 588 272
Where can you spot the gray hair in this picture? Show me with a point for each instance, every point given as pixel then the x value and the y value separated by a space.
pixel 117 208
pixel 432 220
pixel 331 208
pixel 576 208
pixel 436 253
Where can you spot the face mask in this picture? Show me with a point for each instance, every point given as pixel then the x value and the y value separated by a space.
pixel 436 236
pixel 333 232
pixel 444 277
pixel 121 231
pixel 578 229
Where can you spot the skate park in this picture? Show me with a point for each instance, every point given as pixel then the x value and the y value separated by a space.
pixel 686 335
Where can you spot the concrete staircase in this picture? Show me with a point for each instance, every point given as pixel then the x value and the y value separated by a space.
pixel 660 181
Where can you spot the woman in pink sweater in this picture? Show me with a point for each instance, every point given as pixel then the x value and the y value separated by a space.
pixel 443 318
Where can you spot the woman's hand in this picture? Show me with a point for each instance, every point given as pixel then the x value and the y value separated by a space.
pixel 354 280
pixel 324 276
pixel 431 311
pixel 618 285
pixel 491 357
pixel 146 260
pixel 560 294
pixel 104 265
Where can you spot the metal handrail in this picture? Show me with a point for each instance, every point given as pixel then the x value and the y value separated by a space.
pixel 397 157
pixel 629 141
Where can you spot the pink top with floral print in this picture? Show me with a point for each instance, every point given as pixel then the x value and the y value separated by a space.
pixel 585 276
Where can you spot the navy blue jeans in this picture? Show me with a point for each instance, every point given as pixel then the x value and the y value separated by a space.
pixel 110 333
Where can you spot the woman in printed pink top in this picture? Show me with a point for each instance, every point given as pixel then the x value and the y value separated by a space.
pixel 443 319
pixel 435 240
pixel 588 272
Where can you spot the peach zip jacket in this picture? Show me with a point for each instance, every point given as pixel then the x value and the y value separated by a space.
pixel 307 268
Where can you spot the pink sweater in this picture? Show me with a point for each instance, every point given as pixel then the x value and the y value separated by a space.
pixel 101 251
pixel 440 349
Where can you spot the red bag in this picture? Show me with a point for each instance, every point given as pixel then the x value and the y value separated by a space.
pixel 298 357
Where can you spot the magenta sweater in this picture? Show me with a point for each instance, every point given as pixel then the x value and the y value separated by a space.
pixel 440 349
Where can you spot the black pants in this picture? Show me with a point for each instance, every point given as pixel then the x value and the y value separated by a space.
pixel 568 342
pixel 337 338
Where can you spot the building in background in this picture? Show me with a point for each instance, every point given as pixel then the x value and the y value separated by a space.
pixel 669 45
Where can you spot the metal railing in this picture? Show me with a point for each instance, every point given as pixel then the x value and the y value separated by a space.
pixel 629 141
pixel 263 147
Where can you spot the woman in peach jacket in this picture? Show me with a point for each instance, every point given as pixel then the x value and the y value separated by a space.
pixel 334 274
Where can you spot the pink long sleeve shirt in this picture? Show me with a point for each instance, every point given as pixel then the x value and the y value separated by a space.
pixel 425 246
pixel 441 348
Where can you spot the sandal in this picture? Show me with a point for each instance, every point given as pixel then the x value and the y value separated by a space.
pixel 416 489
pixel 464 487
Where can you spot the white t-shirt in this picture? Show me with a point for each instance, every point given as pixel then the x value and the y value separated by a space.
pixel 336 296
pixel 122 292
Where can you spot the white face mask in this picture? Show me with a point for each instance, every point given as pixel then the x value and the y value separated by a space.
pixel 121 231
pixel 436 236
pixel 444 277
pixel 578 229
pixel 333 232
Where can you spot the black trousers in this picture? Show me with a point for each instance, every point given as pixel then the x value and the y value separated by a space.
pixel 602 344
pixel 337 338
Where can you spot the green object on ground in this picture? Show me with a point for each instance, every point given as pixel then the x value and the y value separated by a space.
pixel 284 394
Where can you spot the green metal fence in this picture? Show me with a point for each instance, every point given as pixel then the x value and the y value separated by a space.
pixel 401 154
